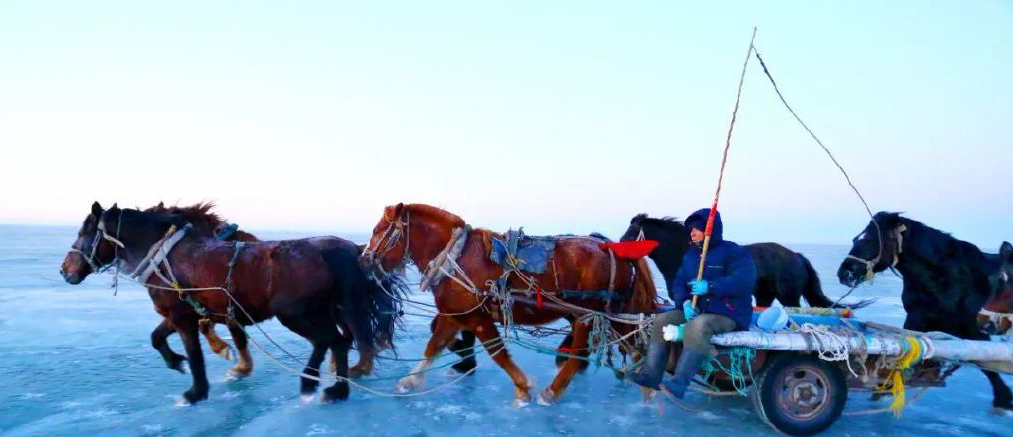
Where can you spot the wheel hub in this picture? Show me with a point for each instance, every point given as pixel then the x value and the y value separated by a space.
pixel 803 392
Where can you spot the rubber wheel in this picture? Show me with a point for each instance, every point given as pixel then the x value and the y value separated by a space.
pixel 799 394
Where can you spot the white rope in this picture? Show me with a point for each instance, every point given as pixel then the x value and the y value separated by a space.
pixel 828 345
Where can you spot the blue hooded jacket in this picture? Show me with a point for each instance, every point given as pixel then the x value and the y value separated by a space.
pixel 729 271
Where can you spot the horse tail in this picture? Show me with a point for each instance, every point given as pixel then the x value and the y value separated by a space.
pixel 365 306
pixel 813 291
pixel 644 291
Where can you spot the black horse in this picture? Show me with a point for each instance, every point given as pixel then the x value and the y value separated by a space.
pixel 781 273
pixel 946 280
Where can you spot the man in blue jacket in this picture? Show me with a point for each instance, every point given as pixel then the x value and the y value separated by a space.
pixel 724 303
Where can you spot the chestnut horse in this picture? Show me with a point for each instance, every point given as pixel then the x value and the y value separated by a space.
pixel 996 316
pixel 311 290
pixel 425 235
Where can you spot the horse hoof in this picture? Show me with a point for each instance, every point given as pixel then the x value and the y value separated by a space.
pixel 306 398
pixel 1002 412
pixel 408 384
pixel 194 396
pixel 336 393
pixel 546 397
pixel 181 402
pixel 237 373
pixel 521 403
pixel 355 373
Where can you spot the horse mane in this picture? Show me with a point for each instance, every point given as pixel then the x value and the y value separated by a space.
pixel 927 242
pixel 201 215
pixel 666 221
pixel 436 213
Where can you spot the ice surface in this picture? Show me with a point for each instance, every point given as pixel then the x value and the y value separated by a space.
pixel 75 360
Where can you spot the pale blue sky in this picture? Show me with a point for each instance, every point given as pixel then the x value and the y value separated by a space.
pixel 558 116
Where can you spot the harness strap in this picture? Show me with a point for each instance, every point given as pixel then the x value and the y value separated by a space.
pixel 159 254
pixel 997 318
pixel 434 273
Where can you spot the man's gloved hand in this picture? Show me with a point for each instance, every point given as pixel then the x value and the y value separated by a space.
pixel 674 332
pixel 698 288
pixel 687 310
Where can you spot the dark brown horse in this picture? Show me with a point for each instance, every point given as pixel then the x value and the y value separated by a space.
pixel 996 316
pixel 76 268
pixel 77 265
pixel 424 234
pixel 311 290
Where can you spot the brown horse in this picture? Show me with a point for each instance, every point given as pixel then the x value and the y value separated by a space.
pixel 431 238
pixel 77 265
pixel 311 290
pixel 76 268
pixel 996 316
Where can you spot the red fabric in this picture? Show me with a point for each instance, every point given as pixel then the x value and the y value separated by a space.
pixel 710 220
pixel 631 249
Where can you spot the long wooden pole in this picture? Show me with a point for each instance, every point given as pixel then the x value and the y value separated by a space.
pixel 708 231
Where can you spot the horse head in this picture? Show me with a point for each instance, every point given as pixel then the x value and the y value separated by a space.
pixel 387 250
pixel 89 252
pixel 996 316
pixel 636 230
pixel 877 248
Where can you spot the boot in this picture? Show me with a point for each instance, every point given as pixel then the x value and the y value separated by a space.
pixel 654 367
pixel 689 363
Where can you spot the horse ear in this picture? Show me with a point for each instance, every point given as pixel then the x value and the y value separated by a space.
pixel 1006 251
pixel 96 209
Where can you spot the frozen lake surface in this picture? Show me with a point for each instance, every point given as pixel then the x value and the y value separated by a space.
pixel 76 360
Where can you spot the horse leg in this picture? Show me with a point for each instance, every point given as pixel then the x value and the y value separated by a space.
pixel 313 327
pixel 339 355
pixel 581 332
pixel 188 332
pixel 217 345
pixel 1002 399
pixel 486 331
pixel 366 357
pixel 764 293
pixel 244 367
pixel 173 360
pixel 790 297
pixel 443 335
pixel 565 346
pixel 465 348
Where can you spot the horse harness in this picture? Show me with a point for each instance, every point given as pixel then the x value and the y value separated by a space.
pixel 898 234
pixel 997 319
pixel 102 234
pixel 157 260
pixel 445 266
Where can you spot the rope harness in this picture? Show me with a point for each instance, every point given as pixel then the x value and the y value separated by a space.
pixel 898 236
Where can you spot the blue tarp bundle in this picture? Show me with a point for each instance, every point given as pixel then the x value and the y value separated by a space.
pixel 532 252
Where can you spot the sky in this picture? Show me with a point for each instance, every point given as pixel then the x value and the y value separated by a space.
pixel 562 117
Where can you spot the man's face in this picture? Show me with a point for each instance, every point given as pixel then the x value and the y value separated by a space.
pixel 696 236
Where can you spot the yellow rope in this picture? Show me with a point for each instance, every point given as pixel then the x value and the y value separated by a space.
pixel 895 382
